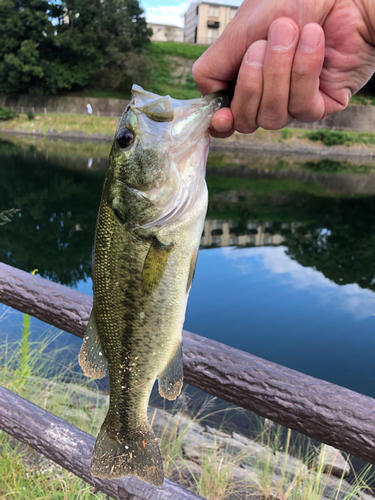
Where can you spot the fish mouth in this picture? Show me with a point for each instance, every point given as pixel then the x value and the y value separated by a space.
pixel 225 96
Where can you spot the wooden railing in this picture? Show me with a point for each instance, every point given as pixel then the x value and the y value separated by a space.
pixel 321 410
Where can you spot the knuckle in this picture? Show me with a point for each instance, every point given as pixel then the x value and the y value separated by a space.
pixel 249 86
pixel 305 112
pixel 245 128
pixel 299 74
pixel 270 121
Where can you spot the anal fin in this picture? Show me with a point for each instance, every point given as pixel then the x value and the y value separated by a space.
pixel 171 380
pixel 92 357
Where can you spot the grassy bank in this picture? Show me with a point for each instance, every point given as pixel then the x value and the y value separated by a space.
pixel 86 125
pixel 234 158
pixel 60 124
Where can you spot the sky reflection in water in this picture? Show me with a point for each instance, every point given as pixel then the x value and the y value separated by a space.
pixel 286 313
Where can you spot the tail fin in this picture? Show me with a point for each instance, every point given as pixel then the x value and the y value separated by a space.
pixel 137 454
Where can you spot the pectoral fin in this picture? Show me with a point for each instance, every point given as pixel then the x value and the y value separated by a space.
pixel 92 357
pixel 154 266
pixel 170 381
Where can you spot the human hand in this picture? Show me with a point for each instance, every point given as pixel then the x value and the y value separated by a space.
pixel 299 59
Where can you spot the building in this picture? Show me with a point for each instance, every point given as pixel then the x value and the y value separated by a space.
pixel 223 233
pixel 205 20
pixel 166 33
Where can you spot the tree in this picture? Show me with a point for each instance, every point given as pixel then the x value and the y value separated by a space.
pixel 48 47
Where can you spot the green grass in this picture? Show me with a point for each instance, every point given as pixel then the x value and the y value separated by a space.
pixel 62 123
pixel 362 99
pixel 24 474
pixel 186 50
pixel 171 73
pixel 337 137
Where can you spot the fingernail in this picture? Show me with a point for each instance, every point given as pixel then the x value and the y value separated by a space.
pixel 282 35
pixel 255 53
pixel 310 37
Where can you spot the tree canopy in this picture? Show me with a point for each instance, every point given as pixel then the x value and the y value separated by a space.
pixel 48 47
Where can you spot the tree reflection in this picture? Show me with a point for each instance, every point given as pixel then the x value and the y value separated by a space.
pixel 339 243
pixel 332 234
pixel 54 228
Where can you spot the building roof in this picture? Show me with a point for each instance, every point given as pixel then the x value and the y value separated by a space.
pixel 165 25
pixel 225 3
pixel 219 3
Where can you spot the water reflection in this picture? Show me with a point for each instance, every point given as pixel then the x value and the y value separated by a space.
pixel 286 269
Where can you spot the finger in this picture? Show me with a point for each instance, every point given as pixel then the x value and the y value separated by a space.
pixel 222 123
pixel 282 42
pixel 306 102
pixel 249 88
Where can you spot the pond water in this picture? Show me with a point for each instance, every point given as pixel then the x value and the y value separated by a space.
pixel 286 268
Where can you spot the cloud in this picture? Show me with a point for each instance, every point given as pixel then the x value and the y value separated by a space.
pixel 353 299
pixel 166 14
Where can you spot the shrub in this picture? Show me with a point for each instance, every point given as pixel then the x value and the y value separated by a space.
pixel 30 114
pixel 329 137
pixel 286 133
pixel 7 113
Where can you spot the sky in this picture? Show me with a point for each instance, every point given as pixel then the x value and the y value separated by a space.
pixel 165 11
pixel 171 11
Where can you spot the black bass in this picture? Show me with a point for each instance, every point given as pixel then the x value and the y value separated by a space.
pixel 148 231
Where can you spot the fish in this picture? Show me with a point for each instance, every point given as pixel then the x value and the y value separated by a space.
pixel 148 231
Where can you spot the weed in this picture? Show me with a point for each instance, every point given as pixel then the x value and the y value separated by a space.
pixel 23 370
pixel 286 133
pixel 359 99
pixel 6 215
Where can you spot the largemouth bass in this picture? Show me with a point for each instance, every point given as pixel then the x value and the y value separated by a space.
pixel 148 231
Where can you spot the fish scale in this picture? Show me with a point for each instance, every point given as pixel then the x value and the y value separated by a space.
pixel 149 226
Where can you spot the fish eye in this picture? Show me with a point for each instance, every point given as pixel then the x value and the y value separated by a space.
pixel 125 138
